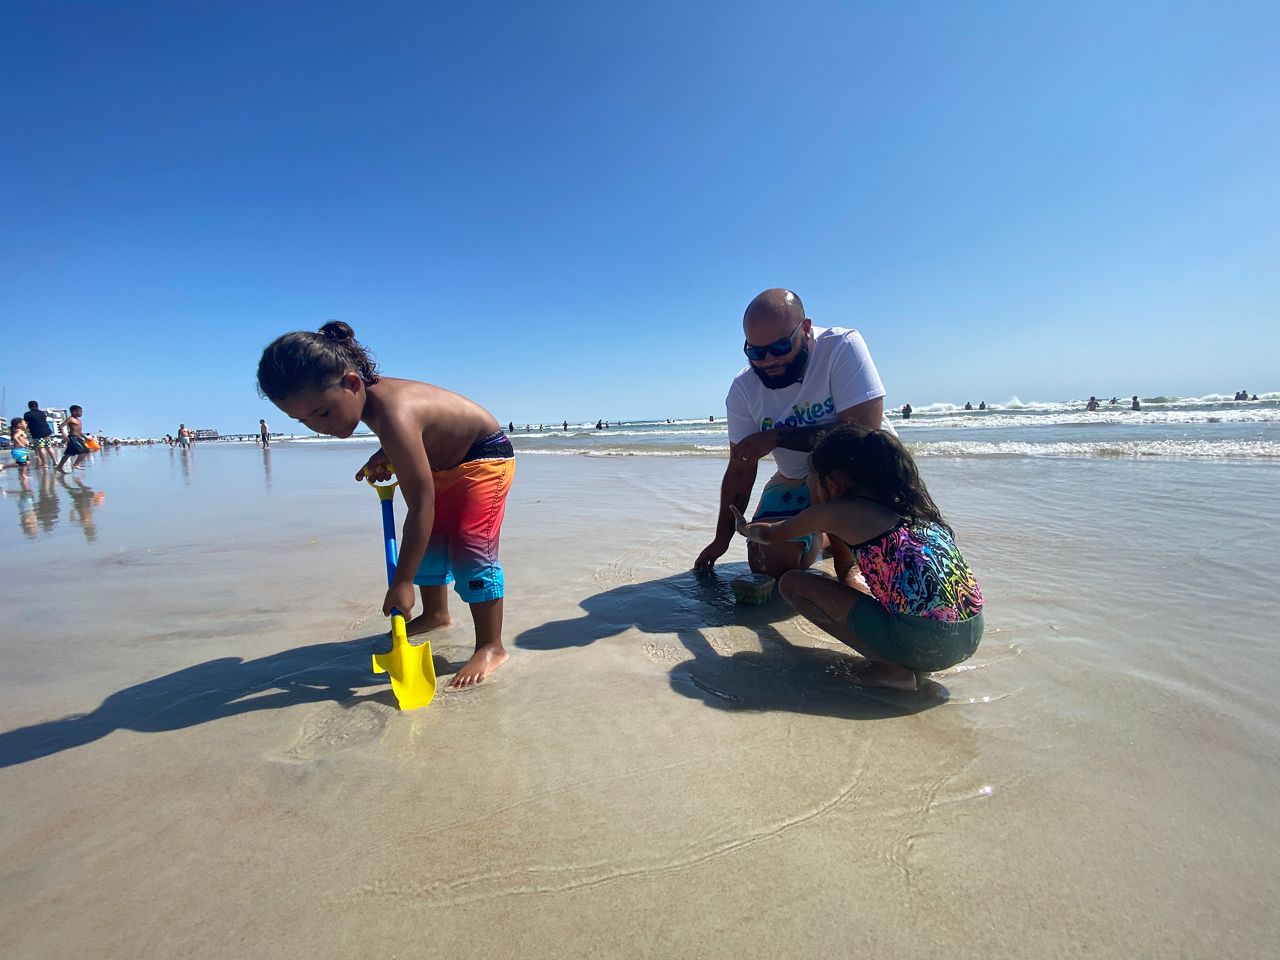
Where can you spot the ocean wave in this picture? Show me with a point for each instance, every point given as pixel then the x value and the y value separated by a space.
pixel 1129 449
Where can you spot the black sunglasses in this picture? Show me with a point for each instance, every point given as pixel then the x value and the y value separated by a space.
pixel 779 348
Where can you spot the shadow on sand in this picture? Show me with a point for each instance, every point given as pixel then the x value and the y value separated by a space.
pixel 782 676
pixel 213 690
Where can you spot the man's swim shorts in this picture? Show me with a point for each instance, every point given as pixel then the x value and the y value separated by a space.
pixel 471 500
pixel 781 499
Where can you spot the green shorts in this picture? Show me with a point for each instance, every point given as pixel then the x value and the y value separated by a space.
pixel 782 499
pixel 917 643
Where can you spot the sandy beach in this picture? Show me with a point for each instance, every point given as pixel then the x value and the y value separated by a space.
pixel 196 760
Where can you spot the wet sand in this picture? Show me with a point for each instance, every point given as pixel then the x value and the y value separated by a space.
pixel 196 759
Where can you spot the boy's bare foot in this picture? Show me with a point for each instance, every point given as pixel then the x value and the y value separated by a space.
pixel 426 622
pixel 887 675
pixel 482 663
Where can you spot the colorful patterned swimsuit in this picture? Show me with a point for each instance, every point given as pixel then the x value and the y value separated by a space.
pixel 916 568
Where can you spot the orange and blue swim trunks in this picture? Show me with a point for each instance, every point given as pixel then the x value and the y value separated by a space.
pixel 471 500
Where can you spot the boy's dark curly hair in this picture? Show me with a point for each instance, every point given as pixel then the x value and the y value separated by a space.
pixel 313 361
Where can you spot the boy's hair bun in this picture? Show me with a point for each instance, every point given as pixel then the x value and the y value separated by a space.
pixel 338 331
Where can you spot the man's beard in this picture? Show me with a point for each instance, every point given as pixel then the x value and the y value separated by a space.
pixel 791 373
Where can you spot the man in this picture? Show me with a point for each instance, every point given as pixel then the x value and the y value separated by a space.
pixel 801 381
pixel 264 434
pixel 41 434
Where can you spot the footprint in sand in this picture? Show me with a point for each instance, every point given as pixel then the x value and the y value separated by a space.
pixel 335 728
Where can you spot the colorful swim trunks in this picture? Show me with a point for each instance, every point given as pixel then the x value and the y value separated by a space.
pixel 781 499
pixel 471 500
pixel 19 456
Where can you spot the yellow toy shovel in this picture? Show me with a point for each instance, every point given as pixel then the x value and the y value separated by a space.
pixel 412 672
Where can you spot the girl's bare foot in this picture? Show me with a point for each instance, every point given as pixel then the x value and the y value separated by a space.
pixel 426 622
pixel 482 663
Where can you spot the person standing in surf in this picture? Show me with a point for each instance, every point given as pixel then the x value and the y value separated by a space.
pixel 453 462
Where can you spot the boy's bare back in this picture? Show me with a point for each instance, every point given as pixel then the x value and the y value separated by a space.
pixel 448 422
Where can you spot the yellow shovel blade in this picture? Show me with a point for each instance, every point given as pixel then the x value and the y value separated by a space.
pixel 413 674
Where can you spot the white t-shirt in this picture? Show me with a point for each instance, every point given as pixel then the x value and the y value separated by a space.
pixel 840 375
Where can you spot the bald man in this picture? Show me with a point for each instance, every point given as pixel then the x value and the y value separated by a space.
pixel 800 381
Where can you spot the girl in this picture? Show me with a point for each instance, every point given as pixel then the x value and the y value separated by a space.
pixel 924 612
pixel 453 462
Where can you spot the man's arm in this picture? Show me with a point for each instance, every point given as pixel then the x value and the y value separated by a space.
pixel 735 491
pixel 868 414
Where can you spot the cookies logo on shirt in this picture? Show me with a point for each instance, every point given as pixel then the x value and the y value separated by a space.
pixel 805 416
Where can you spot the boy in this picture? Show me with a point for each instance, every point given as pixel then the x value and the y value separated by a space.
pixel 73 429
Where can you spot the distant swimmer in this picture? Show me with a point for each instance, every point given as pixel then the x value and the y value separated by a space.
pixel 906 411
pixel 565 425
pixel 711 419
pixel 1113 401
pixel 599 424
pixel 1254 397
pixel 1135 405
pixel 968 405
pixel 982 405
pixel 511 427
pixel 1092 404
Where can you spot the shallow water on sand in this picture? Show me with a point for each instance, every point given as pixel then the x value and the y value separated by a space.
pixel 194 755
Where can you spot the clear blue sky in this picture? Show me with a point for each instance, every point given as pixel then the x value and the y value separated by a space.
pixel 561 210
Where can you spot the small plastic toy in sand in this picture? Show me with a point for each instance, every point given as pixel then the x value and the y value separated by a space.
pixel 753 588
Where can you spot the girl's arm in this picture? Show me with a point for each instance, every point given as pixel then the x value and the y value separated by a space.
pixel 811 520
pixel 402 443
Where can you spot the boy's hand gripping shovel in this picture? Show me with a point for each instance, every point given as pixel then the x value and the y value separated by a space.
pixel 412 672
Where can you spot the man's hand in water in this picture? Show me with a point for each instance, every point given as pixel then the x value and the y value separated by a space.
pixel 377 468
pixel 754 532
pixel 401 597
pixel 710 554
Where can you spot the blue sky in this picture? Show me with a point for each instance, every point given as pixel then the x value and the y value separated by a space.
pixel 561 210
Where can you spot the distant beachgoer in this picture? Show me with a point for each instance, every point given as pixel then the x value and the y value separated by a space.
pixel 1254 397
pixel 906 411
pixel 73 429
pixel 264 434
pixel 1135 405
pixel 599 424
pixel 711 419
pixel 184 436
pixel 452 461
pixel 800 382
pixel 1092 404
pixel 511 427
pixel 968 405
pixel 19 444
pixel 924 612
pixel 1113 401
pixel 41 434
pixel 566 425
pixel 982 405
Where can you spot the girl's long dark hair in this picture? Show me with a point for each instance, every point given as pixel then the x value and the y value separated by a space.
pixel 313 361
pixel 875 464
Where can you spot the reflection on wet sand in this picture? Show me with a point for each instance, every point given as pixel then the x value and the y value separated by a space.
pixel 40 504
pixel 266 465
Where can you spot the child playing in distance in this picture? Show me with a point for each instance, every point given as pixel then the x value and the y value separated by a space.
pixel 453 462
pixel 19 441
pixel 924 612
pixel 73 428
